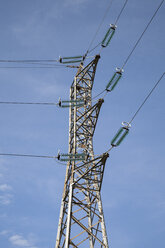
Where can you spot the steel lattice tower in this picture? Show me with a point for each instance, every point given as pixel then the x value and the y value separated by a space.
pixel 81 221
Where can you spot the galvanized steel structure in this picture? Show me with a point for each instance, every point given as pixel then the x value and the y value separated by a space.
pixel 81 221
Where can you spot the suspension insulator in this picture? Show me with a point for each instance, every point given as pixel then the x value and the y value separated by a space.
pixel 108 36
pixel 71 157
pixel 69 60
pixel 114 80
pixel 71 103
pixel 119 137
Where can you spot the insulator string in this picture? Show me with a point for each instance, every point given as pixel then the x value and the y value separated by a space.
pixel 117 19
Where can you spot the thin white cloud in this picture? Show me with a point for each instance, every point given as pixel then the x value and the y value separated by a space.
pixel 3 167
pixel 45 86
pixel 48 90
pixel 5 199
pixel 20 241
pixel 5 187
pixel 30 31
pixel 4 232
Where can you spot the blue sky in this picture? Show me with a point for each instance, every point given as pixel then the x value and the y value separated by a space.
pixel 134 186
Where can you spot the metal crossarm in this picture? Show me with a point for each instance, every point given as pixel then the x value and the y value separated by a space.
pixel 81 222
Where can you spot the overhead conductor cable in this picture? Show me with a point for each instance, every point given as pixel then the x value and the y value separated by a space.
pixel 116 141
pixel 105 14
pixel 118 17
pixel 25 155
pixel 111 31
pixel 38 67
pixel 123 131
pixel 60 157
pixel 30 103
pixel 125 62
pixel 119 71
pixel 146 98
pixel 61 103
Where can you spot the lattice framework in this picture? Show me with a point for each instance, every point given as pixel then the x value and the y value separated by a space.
pixel 81 222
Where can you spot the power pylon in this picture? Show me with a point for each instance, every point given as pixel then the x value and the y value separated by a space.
pixel 81 221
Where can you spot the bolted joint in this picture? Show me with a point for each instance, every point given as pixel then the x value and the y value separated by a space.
pixel 97 56
pixel 100 102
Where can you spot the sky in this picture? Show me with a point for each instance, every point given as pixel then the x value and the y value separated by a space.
pixel 133 191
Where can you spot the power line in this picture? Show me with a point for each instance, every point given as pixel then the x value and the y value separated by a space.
pixel 142 34
pixel 37 61
pixel 26 155
pixel 105 14
pixel 118 17
pixel 147 97
pixel 141 104
pixel 24 67
pixel 41 63
pixel 61 103
pixel 38 67
pixel 27 60
pixel 31 103
pixel 137 40
pixel 46 65
pixel 94 47
pixel 123 131
pixel 98 94
pixel 43 103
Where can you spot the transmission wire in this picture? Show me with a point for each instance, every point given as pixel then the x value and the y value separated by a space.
pixel 142 34
pixel 37 62
pixel 98 94
pixel 141 105
pixel 137 40
pixel 27 60
pixel 94 47
pixel 40 63
pixel 146 98
pixel 35 67
pixel 45 156
pixel 30 103
pixel 105 14
pixel 26 155
pixel 56 104
pixel 49 66
pixel 118 17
